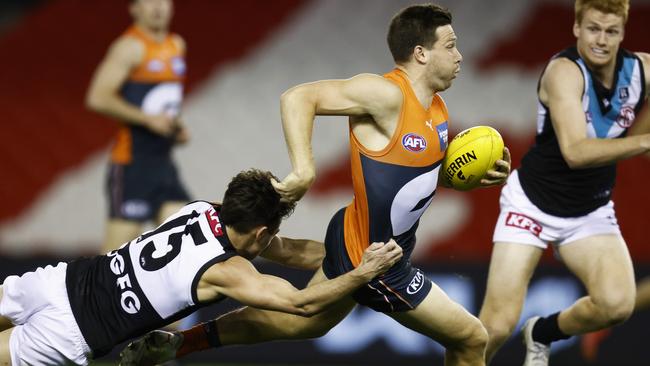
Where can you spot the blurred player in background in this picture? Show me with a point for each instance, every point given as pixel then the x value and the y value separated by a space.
pixel 589 95
pixel 140 83
pixel 80 310
pixel 398 138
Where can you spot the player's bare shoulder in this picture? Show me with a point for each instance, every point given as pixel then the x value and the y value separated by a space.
pixel 228 273
pixel 127 49
pixel 179 42
pixel 561 77
pixel 383 93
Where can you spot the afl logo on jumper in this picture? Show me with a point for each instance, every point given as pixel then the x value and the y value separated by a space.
pixel 626 117
pixel 416 283
pixel 413 142
pixel 156 65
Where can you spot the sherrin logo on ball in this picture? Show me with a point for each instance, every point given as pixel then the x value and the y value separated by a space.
pixel 414 142
pixel 470 155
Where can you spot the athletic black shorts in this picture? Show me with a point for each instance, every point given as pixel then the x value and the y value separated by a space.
pixel 402 288
pixel 136 191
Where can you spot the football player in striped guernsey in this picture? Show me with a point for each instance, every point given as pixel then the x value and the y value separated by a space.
pixel 77 311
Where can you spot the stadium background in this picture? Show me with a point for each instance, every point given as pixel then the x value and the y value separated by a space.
pixel 242 56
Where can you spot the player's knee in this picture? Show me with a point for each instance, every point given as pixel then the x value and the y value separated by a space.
pixel 475 337
pixel 499 325
pixel 616 307
pixel 500 329
pixel 619 312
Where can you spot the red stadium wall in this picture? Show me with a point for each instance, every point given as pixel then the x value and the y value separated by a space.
pixel 45 69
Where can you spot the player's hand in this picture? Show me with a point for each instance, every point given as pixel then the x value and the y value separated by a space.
pixel 161 124
pixel 294 185
pixel 154 348
pixel 379 258
pixel 500 173
pixel 181 134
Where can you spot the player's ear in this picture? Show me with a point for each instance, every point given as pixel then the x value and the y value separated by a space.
pixel 420 55
pixel 261 232
pixel 576 29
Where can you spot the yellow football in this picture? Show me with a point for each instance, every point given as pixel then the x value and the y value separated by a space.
pixel 470 155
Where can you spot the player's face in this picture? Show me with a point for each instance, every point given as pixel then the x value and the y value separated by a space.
pixel 153 14
pixel 445 59
pixel 599 36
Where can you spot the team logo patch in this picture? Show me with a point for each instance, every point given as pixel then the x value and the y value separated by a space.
pixel 443 134
pixel 416 283
pixel 623 93
pixel 178 66
pixel 155 65
pixel 625 117
pixel 135 209
pixel 413 142
pixel 524 222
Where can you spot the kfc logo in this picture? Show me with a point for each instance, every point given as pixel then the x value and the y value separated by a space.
pixel 523 222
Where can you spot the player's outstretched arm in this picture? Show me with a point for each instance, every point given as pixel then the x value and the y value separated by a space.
pixel 238 279
pixel 296 253
pixel 561 90
pixel 364 94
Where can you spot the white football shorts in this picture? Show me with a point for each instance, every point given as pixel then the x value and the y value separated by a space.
pixel 45 331
pixel 520 221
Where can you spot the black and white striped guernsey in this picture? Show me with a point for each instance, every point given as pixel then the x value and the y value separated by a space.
pixel 150 281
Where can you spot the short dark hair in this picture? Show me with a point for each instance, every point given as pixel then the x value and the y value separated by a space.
pixel 250 201
pixel 413 26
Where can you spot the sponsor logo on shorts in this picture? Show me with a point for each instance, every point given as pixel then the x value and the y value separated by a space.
pixel 443 135
pixel 416 283
pixel 413 142
pixel 135 209
pixel 626 117
pixel 523 222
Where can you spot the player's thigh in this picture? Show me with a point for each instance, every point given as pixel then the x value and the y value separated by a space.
pixel 167 209
pixel 440 318
pixel 511 268
pixel 120 231
pixel 603 264
pixel 5 353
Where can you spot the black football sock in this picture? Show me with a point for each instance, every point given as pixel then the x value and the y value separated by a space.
pixel 547 330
